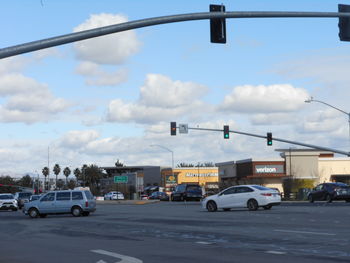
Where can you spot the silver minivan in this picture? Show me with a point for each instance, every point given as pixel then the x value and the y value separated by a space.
pixel 75 202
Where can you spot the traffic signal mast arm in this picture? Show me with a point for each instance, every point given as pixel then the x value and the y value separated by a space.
pixel 101 31
pixel 278 139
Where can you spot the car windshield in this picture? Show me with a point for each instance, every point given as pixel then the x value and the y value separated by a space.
pixel 3 197
pixel 24 195
pixel 193 188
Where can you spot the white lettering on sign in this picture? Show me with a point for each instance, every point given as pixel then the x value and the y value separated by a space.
pixel 266 170
pixel 201 174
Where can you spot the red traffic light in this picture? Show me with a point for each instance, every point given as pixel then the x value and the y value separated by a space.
pixel 173 128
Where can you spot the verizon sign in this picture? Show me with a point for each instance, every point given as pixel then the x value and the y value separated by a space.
pixel 269 169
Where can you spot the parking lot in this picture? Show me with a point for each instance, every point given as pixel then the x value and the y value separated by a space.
pixel 180 232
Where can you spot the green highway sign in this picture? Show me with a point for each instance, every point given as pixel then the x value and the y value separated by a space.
pixel 120 179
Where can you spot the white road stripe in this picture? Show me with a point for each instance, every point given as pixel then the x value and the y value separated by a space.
pixel 204 243
pixel 124 259
pixel 276 252
pixel 304 232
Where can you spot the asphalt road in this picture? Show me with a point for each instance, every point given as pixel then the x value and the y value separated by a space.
pixel 180 232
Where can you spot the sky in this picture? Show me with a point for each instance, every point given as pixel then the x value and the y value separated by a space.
pixel 112 98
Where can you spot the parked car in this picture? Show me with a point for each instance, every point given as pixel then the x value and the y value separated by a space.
pixel 162 196
pixel 22 198
pixel 76 202
pixel 186 192
pixel 250 196
pixel 144 197
pixel 114 196
pixel 34 197
pixel 329 192
pixel 8 202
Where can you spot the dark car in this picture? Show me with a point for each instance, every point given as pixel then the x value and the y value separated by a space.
pixel 22 197
pixel 329 192
pixel 186 192
pixel 159 195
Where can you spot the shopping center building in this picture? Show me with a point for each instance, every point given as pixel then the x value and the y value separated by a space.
pixel 314 165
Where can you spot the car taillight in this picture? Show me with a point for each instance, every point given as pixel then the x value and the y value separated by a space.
pixel 267 194
pixel 86 204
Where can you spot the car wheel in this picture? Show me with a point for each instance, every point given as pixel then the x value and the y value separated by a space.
pixel 76 211
pixel 33 213
pixel 252 205
pixel 267 207
pixel 43 215
pixel 211 206
pixel 14 209
pixel 311 199
pixel 86 213
pixel 227 209
pixel 347 200
pixel 328 198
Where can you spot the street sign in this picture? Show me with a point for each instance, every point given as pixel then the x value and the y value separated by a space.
pixel 183 128
pixel 120 179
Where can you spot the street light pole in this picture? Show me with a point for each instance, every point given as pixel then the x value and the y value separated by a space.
pixel 329 105
pixel 172 155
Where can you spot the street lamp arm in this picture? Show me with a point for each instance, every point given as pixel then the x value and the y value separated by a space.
pixel 329 105
pixel 163 147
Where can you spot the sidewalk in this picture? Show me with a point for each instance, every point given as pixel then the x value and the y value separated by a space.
pixel 126 202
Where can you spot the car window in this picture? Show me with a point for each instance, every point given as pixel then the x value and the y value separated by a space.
pixel 193 187
pixel 319 187
pixel 180 188
pixel 229 191
pixel 77 196
pixel 3 197
pixel 48 197
pixel 259 187
pixel 89 195
pixel 244 189
pixel 63 196
pixel 24 195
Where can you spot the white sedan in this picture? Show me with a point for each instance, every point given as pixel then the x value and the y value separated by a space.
pixel 250 196
pixel 114 196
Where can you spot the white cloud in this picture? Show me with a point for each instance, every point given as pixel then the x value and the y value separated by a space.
pixel 110 49
pixel 161 91
pixel 78 139
pixel 13 64
pixel 161 99
pixel 27 101
pixel 96 76
pixel 264 99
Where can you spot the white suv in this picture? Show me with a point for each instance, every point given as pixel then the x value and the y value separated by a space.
pixel 8 202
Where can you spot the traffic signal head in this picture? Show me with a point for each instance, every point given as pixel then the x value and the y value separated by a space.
pixel 217 26
pixel 344 23
pixel 226 132
pixel 269 139
pixel 172 128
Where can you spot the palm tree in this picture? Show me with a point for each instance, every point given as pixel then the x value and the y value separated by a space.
pixel 56 170
pixel 77 174
pixel 66 173
pixel 45 172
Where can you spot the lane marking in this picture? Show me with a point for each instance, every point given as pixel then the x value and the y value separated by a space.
pixel 276 252
pixel 204 243
pixel 124 259
pixel 304 232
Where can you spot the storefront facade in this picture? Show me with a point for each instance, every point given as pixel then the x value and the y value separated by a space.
pixel 313 165
pixel 207 177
